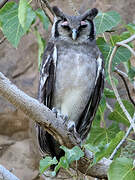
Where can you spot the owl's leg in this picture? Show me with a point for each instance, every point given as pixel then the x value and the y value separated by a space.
pixel 72 129
pixel 59 114
pixel 70 125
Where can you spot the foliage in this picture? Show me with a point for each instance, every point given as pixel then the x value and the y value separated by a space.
pixel 16 20
pixel 106 21
pixel 71 155
pixel 122 169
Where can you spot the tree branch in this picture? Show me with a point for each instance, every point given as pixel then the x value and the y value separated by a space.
pixel 2 3
pixel 112 82
pixel 122 75
pixel 55 126
pixel 2 39
pixel 6 175
pixel 47 6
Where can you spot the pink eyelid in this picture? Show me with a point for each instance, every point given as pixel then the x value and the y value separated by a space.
pixel 83 23
pixel 65 23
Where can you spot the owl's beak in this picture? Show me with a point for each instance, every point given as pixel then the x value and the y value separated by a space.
pixel 74 34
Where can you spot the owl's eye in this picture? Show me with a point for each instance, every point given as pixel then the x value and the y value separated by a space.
pixel 83 24
pixel 65 25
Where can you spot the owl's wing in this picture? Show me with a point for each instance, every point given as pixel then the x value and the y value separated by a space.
pixel 45 95
pixel 85 121
pixel 47 75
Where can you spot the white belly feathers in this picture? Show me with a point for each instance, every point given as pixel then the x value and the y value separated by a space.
pixel 74 78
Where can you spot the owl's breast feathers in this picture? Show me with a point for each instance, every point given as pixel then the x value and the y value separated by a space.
pixel 72 80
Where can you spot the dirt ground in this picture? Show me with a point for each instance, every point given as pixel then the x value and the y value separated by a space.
pixel 18 149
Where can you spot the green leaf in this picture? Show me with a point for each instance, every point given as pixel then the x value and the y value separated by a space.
pixel 46 163
pixel 102 149
pixel 122 54
pixel 43 18
pixel 130 27
pixel 114 142
pixel 117 38
pixel 73 154
pixel 91 148
pixel 106 21
pixel 22 12
pixel 64 162
pixel 41 47
pixel 131 73
pixel 11 27
pixel 121 169
pixel 118 114
pixel 98 134
pixel 109 93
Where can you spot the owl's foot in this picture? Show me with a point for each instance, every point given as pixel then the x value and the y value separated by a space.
pixel 59 114
pixel 72 129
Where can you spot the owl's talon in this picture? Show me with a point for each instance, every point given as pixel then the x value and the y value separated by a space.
pixel 58 114
pixel 65 119
pixel 55 111
pixel 72 129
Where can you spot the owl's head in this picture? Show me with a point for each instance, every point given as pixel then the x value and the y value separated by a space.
pixel 74 28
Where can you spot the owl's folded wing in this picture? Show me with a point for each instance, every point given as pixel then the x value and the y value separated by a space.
pixel 47 76
pixel 85 121
pixel 45 96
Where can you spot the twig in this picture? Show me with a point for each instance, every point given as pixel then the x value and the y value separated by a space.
pixel 48 6
pixel 127 46
pixel 128 92
pixel 130 39
pixel 121 72
pixel 113 84
pixel 2 39
pixel 46 3
pixel 109 107
pixel 2 3
pixel 6 175
pixel 22 71
pixel 121 142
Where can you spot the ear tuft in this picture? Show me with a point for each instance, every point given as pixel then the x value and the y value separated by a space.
pixel 94 12
pixel 90 14
pixel 58 12
pixel 55 9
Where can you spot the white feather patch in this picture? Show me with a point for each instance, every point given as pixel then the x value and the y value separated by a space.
pixel 55 55
pixel 53 27
pixel 45 64
pixel 99 63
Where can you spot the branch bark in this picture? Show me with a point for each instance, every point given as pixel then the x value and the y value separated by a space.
pixel 45 5
pixel 55 126
pixel 2 3
pixel 6 175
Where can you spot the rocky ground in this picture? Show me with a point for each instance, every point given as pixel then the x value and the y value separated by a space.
pixel 20 66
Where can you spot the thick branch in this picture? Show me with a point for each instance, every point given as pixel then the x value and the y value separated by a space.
pixel 55 126
pixel 35 110
pixel 6 175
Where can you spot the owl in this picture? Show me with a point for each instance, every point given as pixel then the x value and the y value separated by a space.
pixel 71 76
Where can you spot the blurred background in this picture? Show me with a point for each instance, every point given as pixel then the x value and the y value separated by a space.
pixel 17 148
